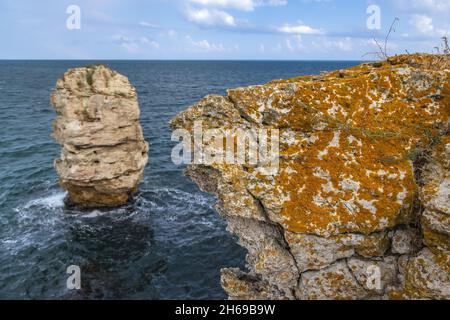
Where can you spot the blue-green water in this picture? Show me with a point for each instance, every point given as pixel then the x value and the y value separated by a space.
pixel 168 244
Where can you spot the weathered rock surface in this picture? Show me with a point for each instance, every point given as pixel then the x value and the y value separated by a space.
pixel 103 149
pixel 363 184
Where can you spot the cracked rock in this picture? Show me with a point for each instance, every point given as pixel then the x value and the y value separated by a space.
pixel 103 151
pixel 363 178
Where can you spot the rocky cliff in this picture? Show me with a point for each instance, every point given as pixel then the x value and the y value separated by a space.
pixel 359 208
pixel 103 149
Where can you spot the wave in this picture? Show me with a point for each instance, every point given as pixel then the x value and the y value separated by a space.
pixel 51 201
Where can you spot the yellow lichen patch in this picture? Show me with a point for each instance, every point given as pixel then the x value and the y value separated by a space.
pixel 349 167
pixel 335 282
pixel 363 152
pixel 357 175
pixel 428 276
pixel 374 245
pixel 436 241
pixel 349 186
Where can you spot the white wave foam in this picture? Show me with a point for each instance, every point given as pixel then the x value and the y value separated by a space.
pixel 52 201
pixel 181 196
pixel 94 214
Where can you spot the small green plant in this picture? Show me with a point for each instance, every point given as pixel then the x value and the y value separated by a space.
pixel 94 65
pixel 432 139
pixel 89 77
pixel 416 154
pixel 91 70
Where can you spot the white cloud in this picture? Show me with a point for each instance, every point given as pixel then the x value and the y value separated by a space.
pixel 430 5
pixel 146 24
pixel 294 43
pixel 205 45
pixel 211 13
pixel 152 43
pixel 210 17
pixel 171 33
pixel 374 46
pixel 298 29
pixel 271 3
pixel 244 5
pixel 133 45
pixel 424 25
pixel 343 44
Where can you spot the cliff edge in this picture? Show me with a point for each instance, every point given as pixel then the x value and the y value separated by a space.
pixel 359 208
pixel 103 152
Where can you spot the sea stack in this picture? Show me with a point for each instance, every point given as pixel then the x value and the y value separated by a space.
pixel 359 208
pixel 103 152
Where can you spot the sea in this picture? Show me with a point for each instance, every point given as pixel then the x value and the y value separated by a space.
pixel 168 243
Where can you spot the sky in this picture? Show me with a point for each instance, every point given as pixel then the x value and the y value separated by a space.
pixel 218 29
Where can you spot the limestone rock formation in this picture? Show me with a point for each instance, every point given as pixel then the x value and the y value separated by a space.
pixel 103 149
pixel 359 208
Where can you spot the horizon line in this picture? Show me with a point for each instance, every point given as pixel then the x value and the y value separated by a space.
pixel 198 60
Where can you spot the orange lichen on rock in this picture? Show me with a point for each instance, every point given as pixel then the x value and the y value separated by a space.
pixel 363 163
pixel 355 174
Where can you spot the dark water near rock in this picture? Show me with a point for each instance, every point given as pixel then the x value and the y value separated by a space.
pixel 168 244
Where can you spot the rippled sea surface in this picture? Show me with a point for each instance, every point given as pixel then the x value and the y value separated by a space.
pixel 169 243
